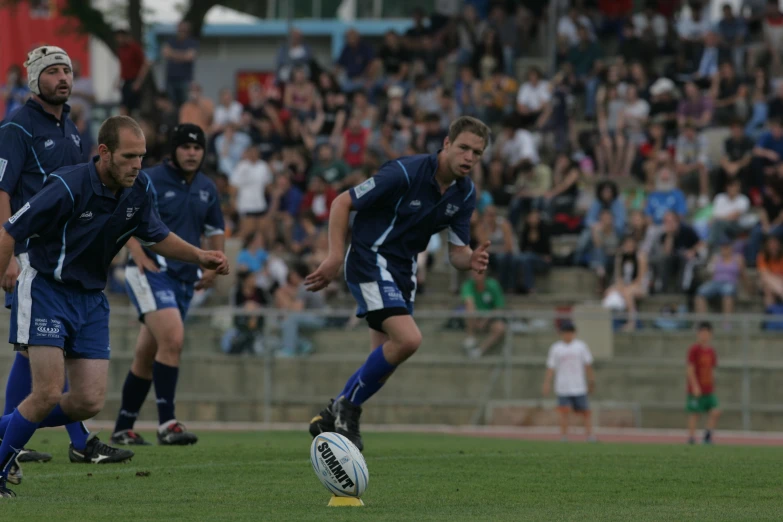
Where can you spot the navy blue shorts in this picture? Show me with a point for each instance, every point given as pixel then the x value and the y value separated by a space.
pixel 378 300
pixel 47 313
pixel 575 402
pixel 153 291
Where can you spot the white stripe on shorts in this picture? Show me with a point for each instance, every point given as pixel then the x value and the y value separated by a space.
pixel 372 296
pixel 24 306
pixel 141 289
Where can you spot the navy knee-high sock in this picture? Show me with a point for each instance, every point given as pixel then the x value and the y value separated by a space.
pixel 134 393
pixel 165 379
pixel 369 378
pixel 19 385
pixel 19 432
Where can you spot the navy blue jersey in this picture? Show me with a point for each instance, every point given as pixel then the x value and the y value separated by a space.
pixel 398 210
pixel 188 210
pixel 33 144
pixel 75 225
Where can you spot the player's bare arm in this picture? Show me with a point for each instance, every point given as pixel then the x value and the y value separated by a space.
pixel 465 258
pixel 12 272
pixel 217 243
pixel 338 229
pixel 7 243
pixel 175 248
pixel 142 260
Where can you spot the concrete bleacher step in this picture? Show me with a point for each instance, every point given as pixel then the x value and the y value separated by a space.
pixel 760 346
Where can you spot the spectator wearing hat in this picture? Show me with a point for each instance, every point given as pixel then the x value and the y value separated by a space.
pixel 570 364
pixel 664 104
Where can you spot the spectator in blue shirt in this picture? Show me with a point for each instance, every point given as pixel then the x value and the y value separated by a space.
pixel 666 197
pixel 180 54
pixel 253 255
pixel 74 227
pixel 356 62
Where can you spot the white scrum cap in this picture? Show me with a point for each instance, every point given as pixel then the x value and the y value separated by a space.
pixel 40 59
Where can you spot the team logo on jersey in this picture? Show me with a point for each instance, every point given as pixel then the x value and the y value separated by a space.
pixel 204 195
pixel 169 194
pixel 131 211
pixel 48 144
pixel 364 188
pixel 76 140
pixel 451 209
pixel 415 204
pixel 86 216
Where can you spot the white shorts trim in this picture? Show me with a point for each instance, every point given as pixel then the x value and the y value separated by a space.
pixel 141 289
pixel 24 303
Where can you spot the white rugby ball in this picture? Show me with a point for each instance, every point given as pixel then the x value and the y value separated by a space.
pixel 339 465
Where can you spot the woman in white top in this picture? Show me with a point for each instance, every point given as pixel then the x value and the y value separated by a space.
pixel 632 121
pixel 249 182
pixel 228 111
pixel 532 98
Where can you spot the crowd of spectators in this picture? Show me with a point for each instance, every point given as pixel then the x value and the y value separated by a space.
pixel 656 139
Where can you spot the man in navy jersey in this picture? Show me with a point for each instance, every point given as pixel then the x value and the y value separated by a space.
pixel 75 226
pixel 161 290
pixel 397 211
pixel 36 140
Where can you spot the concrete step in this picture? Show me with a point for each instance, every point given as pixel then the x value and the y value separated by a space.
pixel 760 346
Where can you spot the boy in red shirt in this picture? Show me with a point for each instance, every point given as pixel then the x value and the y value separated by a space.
pixel 701 384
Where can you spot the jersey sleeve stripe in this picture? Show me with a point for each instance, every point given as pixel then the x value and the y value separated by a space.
pixel 66 186
pixel 35 155
pixel 405 171
pixel 10 123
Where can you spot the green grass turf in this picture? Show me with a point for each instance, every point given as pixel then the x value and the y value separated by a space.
pixel 267 476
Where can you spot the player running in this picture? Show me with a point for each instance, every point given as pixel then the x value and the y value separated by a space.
pixel 398 210
pixel 75 226
pixel 36 140
pixel 161 290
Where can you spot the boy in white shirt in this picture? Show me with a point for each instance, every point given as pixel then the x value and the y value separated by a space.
pixel 570 363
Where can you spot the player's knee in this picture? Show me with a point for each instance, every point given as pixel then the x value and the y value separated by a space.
pixel 48 397
pixel 409 343
pixel 90 405
pixel 171 344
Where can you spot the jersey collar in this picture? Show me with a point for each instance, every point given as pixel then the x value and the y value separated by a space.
pixel 34 105
pixel 433 161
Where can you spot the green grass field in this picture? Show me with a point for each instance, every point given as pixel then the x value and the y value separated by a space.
pixel 267 476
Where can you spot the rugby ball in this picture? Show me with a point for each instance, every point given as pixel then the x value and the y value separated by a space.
pixel 339 465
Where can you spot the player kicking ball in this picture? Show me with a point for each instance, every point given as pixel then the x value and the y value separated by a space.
pixel 397 211
pixel 75 226
pixel 161 290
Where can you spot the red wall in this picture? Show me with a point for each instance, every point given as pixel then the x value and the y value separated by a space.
pixel 22 30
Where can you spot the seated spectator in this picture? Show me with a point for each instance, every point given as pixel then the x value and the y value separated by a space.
pixel 665 198
pixel 535 249
pixel 650 26
pixel 631 278
pixel 607 198
pixel 294 299
pixel 604 244
pixel 269 141
pixel 497 94
pixel 664 105
pixel 430 138
pixel 634 48
pixel 735 162
pixel 250 180
pixel 532 184
pixel 364 110
pixel 318 200
pixel 655 146
pixel 772 27
pixel 481 294
pixel 466 92
pixel 608 152
pixel 692 29
pixel 333 170
pixel 449 110
pixel 388 144
pixel 424 98
pixel 770 266
pixel 561 199
pixel 708 62
pixel 726 269
pixel 488 55
pixel 300 95
pixel 760 106
pixel 678 252
pixel 532 98
pixel 230 147
pixel 730 96
pixel 692 164
pixel 768 153
pixel 295 165
pixel 631 123
pixel 770 223
pixel 728 210
pixel 329 122
pixel 568 26
pixel 395 60
pixel 252 258
pixel 695 109
pixel 641 231
pixel 497 230
pixel 305 234
pixel 353 146
pixel 733 32
pixel 397 112
pixel 284 202
pixel 227 111
pixel 355 66
pixel 247 328
pixel 640 77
